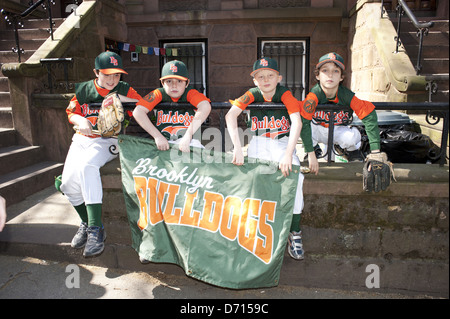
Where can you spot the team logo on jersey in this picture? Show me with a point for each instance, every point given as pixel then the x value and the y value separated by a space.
pixel 173 130
pixel 114 61
pixel 275 126
pixel 173 68
pixel 173 122
pixel 244 99
pixel 150 97
pixel 310 106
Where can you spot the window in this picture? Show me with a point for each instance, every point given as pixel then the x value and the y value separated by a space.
pixel 192 53
pixel 291 56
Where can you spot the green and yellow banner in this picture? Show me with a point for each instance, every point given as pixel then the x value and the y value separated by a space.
pixel 223 224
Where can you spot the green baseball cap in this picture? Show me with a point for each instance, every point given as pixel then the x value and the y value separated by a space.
pixel 331 57
pixel 175 69
pixel 109 63
pixel 264 64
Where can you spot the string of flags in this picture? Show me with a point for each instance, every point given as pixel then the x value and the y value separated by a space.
pixel 142 49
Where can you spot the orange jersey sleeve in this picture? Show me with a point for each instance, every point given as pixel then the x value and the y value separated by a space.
pixel 308 106
pixel 290 102
pixel 243 101
pixel 151 100
pixel 73 108
pixel 132 94
pixel 195 97
pixel 362 108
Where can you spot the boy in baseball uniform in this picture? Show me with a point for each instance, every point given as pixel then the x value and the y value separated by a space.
pixel 173 124
pixel 81 182
pixel 176 124
pixel 329 73
pixel 275 134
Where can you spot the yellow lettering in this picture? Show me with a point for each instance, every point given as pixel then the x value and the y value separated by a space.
pixel 248 225
pixel 264 247
pixel 140 187
pixel 171 215
pixel 211 216
pixel 230 217
pixel 188 218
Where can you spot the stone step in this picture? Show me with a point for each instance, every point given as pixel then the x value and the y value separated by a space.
pixel 26 34
pixel 8 137
pixel 432 52
pixel 5 100
pixel 432 39
pixel 17 185
pixel 408 26
pixel 33 45
pixel 13 158
pixel 12 57
pixel 6 120
pixel 4 84
pixel 431 65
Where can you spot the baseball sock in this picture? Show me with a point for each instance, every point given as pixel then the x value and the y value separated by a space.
pixel 295 225
pixel 94 212
pixel 82 212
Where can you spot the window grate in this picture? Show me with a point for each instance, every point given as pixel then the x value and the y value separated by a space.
pixel 291 56
pixel 193 55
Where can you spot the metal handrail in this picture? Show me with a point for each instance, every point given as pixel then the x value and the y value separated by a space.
pixel 14 19
pixel 435 111
pixel 422 29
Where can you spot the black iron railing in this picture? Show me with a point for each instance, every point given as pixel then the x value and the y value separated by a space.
pixel 434 113
pixel 422 29
pixel 15 19
pixel 53 64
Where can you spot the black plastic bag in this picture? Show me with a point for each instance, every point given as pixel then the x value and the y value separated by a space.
pixel 408 147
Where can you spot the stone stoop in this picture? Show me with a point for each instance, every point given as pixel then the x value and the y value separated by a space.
pixel 23 169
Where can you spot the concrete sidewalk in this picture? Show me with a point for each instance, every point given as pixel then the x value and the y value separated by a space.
pixel 32 278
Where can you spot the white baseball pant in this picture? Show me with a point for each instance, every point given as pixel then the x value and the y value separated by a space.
pixel 273 150
pixel 346 137
pixel 81 181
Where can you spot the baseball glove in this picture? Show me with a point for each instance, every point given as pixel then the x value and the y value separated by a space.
pixel 378 172
pixel 110 116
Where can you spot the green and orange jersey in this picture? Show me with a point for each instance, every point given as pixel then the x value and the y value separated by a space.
pixel 365 110
pixel 90 92
pixel 267 122
pixel 173 120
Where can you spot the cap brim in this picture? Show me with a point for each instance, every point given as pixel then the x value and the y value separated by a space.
pixel 256 71
pixel 174 77
pixel 339 64
pixel 112 71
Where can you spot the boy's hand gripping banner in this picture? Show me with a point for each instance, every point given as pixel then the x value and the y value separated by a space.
pixel 223 224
